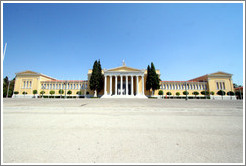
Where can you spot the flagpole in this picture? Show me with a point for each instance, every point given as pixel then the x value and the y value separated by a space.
pixel 4 50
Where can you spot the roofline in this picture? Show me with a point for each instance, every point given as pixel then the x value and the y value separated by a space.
pixel 221 72
pixel 179 81
pixel 37 73
pixel 199 77
pixel 65 81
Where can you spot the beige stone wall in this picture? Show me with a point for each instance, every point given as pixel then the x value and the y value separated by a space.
pixel 213 84
pixel 37 80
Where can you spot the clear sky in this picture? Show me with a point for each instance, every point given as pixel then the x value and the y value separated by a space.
pixel 183 40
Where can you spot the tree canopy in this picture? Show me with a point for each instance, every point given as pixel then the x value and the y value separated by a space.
pixel 221 92
pixel 96 80
pixel 153 80
pixel 8 84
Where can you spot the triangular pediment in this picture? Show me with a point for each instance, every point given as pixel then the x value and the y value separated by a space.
pixel 220 73
pixel 28 72
pixel 124 68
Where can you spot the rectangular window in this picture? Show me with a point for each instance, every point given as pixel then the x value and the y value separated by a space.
pixel 47 86
pixel 217 84
pixel 24 84
pixel 223 85
pixel 220 85
pixel 30 86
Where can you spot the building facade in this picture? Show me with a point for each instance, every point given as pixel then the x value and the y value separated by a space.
pixel 121 82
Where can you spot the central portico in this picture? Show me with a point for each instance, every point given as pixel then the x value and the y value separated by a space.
pixel 124 82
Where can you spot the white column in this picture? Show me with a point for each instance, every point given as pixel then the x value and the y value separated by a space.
pixel 105 85
pixel 142 85
pixel 132 85
pixel 110 90
pixel 115 84
pixel 121 84
pixel 126 85
pixel 137 85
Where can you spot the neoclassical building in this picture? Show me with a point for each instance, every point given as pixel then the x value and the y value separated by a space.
pixel 120 82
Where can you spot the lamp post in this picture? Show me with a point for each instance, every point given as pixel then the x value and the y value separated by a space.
pixel 8 91
pixel 186 97
pixel 65 89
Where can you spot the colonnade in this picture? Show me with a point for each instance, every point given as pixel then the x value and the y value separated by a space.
pixel 121 76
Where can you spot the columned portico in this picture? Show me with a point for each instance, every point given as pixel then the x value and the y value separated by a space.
pixel 124 88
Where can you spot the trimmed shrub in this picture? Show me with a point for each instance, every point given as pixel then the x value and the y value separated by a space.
pixel 35 92
pixel 185 93
pixel 221 92
pixel 52 92
pixel 69 92
pixel 16 93
pixel 177 93
pixel 160 92
pixel 195 93
pixel 169 93
pixel 230 93
pixel 61 91
pixel 205 92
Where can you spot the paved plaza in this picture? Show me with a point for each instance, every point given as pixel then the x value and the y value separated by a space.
pixel 122 131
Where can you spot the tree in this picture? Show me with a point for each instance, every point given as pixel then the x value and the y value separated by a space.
pixel 34 92
pixel 16 93
pixel 230 93
pixel 148 82
pixel 69 92
pixel 8 87
pixel 169 93
pixel 79 93
pixel 42 92
pixel 177 94
pixel 221 93
pixel 24 93
pixel 153 79
pixel 160 93
pixel 96 80
pixel 205 92
pixel 212 93
pixel 52 92
pixel 195 93
pixel 61 91
pixel 236 86
pixel 185 93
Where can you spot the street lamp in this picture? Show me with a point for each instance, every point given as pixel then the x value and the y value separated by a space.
pixel 65 89
pixel 186 97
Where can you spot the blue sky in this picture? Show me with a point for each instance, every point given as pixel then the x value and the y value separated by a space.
pixel 183 40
